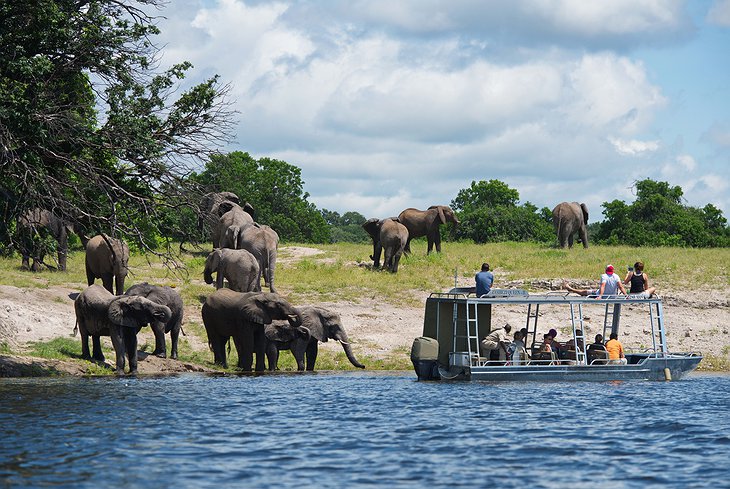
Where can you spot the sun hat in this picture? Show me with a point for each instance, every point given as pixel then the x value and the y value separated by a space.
pixel 609 269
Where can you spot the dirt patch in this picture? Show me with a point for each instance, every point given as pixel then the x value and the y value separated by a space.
pixel 696 321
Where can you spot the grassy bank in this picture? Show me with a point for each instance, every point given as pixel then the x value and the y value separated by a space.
pixel 340 273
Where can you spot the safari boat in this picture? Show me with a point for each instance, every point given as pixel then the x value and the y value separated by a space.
pixel 456 321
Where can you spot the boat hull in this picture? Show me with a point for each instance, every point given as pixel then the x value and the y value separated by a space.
pixel 646 369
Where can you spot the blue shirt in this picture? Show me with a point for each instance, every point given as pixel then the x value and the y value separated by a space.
pixel 484 282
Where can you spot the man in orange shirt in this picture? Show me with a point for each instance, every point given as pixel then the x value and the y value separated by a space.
pixel 615 350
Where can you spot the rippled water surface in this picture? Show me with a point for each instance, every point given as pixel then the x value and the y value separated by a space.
pixel 362 429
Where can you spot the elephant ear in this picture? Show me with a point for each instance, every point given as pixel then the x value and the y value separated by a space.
pixel 225 206
pixel 314 321
pixel 584 208
pixel 254 310
pixel 120 314
pixel 372 227
pixel 440 210
pixel 249 209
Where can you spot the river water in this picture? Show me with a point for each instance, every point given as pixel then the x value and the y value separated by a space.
pixel 362 429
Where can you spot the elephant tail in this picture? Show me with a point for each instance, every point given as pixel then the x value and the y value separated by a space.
pixel 76 328
pixel 182 330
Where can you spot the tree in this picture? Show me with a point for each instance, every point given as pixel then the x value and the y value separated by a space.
pixel 658 218
pixel 274 188
pixel 488 212
pixel 88 128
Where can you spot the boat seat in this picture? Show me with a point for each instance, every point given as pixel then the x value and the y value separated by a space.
pixel 544 358
pixel 597 357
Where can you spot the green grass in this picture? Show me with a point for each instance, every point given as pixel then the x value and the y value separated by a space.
pixel 342 273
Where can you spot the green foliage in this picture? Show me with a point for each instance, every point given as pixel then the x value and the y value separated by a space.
pixel 347 228
pixel 274 188
pixel 488 212
pixel 658 218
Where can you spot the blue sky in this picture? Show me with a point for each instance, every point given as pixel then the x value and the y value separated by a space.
pixel 386 105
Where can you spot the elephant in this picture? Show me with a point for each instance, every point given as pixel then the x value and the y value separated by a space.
pixel 320 324
pixel 100 313
pixel 426 223
pixel 239 267
pixel 242 315
pixel 262 242
pixel 107 258
pixel 231 215
pixel 166 296
pixel 569 218
pixel 30 224
pixel 390 236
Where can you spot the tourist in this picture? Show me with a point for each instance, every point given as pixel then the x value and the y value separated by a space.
pixel 610 285
pixel 484 280
pixel 597 351
pixel 517 351
pixel 615 350
pixel 497 341
pixel 639 282
pixel 557 348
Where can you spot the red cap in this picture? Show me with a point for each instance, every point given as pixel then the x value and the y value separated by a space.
pixel 609 269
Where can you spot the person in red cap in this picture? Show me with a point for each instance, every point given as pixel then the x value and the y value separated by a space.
pixel 610 285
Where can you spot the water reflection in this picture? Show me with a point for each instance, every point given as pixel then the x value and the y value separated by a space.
pixel 361 429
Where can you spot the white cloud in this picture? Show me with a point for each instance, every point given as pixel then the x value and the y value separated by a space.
pixel 719 13
pixel 633 147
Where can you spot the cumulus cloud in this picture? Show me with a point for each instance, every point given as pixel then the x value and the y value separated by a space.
pixel 719 13
pixel 386 105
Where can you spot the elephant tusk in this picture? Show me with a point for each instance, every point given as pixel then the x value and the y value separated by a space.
pixel 342 342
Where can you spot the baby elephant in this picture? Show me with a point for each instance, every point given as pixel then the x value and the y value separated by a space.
pixel 320 324
pixel 166 296
pixel 239 267
pixel 101 313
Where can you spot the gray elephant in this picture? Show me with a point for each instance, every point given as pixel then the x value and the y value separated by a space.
pixel 107 258
pixel 570 218
pixel 235 216
pixel 262 242
pixel 426 223
pixel 393 239
pixel 318 324
pixel 242 315
pixel 372 227
pixel 208 207
pixel 166 296
pixel 100 313
pixel 239 267
pixel 30 225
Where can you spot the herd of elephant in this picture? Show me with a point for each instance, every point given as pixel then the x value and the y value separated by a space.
pixel 392 236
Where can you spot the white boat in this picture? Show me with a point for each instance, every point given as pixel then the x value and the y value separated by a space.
pixel 456 321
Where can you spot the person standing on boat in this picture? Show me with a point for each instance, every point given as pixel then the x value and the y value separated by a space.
pixel 484 280
pixel 610 285
pixel 497 340
pixel 639 281
pixel 615 350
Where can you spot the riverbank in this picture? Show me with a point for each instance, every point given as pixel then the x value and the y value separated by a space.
pixel 382 326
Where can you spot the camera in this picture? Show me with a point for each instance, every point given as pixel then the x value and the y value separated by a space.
pixel 630 269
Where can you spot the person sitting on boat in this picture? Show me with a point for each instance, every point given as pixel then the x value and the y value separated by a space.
pixel 546 350
pixel 639 282
pixel 557 348
pixel 497 341
pixel 610 285
pixel 484 280
pixel 516 351
pixel 615 350
pixel 597 351
pixel 570 350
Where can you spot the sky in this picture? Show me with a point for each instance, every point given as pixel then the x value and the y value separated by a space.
pixel 389 104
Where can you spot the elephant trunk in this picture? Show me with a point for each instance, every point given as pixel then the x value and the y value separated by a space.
pixel 208 275
pixel 342 338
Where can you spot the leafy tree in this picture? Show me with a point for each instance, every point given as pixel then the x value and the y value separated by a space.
pixel 88 127
pixel 488 212
pixel 274 188
pixel 658 218
pixel 347 228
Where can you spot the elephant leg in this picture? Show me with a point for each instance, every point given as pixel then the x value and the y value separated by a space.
pixel 89 276
pixel 259 347
pixel 430 244
pixel 396 261
pixel 272 355
pixel 35 266
pixel 98 355
pixel 584 236
pixel 437 241
pixel 118 343
pixel 299 350
pixel 244 347
pixel 130 346
pixel 312 350
pixel 570 240
pixel 107 280
pixel 407 248
pixel 25 263
pixel 174 335
pixel 158 329
pixel 85 346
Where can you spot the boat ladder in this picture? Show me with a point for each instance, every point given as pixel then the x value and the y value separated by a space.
pixel 657 319
pixel 532 315
pixel 576 319
pixel 472 331
pixel 611 319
